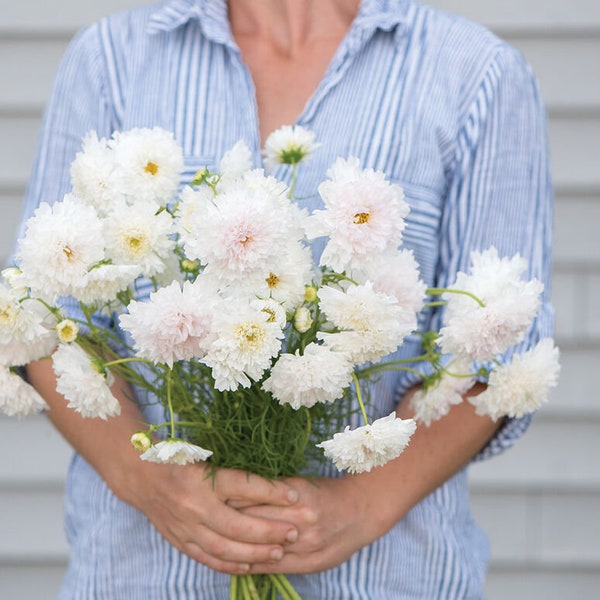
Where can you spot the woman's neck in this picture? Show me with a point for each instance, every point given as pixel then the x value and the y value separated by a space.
pixel 291 25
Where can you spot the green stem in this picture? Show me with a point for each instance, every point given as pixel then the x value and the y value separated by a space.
pixel 233 587
pixel 170 404
pixel 283 585
pixel 121 361
pixel 359 397
pixel 440 291
pixel 293 182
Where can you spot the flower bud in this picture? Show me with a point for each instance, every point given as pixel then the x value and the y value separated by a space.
pixel 310 293
pixel 302 319
pixel 141 441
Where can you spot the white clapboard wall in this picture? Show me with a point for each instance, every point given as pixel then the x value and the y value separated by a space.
pixel 540 502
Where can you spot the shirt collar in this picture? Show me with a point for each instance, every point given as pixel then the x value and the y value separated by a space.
pixel 212 18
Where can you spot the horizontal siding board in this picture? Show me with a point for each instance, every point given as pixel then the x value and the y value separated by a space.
pixel 27 69
pixel 31 581
pixel 534 527
pixel 43 455
pixel 576 233
pixel 567 69
pixel 32 525
pixel 10 207
pixel 45 18
pixel 530 15
pixel 539 583
pixel 505 15
pixel 554 454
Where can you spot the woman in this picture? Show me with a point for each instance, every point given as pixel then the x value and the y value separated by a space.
pixel 443 108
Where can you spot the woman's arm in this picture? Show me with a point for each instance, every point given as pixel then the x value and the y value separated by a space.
pixel 184 503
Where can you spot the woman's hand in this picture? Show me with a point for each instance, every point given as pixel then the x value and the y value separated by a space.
pixel 333 517
pixel 194 512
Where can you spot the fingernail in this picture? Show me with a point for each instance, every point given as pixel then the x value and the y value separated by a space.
pixel 292 495
pixel 291 535
pixel 244 568
pixel 276 554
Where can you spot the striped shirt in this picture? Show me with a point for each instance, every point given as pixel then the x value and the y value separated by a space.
pixel 445 109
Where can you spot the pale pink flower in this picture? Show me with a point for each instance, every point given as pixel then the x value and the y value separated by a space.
pixel 139 235
pixel 84 384
pixel 241 234
pixel 70 234
pixel 318 375
pixel 360 450
pixel 364 214
pixel 150 163
pixel 92 175
pixel 395 273
pixel 17 397
pixel 434 402
pixel 246 339
pixel 370 324
pixel 522 385
pixel 175 324
pixel 175 452
pixel 510 304
pixel 26 329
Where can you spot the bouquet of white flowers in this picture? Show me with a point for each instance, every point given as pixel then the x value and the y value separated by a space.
pixel 256 353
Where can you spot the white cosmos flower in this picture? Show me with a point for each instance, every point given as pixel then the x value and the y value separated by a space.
pixel 235 163
pixel 481 333
pixel 82 384
pixel 318 375
pixel 176 452
pixel 364 214
pixel 92 175
pixel 102 284
pixel 395 273
pixel 150 163
pixel 26 329
pixel 288 145
pixel 138 235
pixel 359 450
pixel 274 311
pixel 175 324
pixel 70 234
pixel 246 339
pixel 433 403
pixel 521 386
pixel 371 324
pixel 241 234
pixel 17 397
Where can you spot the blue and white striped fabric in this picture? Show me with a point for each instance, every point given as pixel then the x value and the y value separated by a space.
pixel 444 108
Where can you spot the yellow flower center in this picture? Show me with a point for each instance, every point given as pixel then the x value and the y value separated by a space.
pixel 67 330
pixel 136 244
pixel 7 315
pixel 69 253
pixel 151 168
pixel 361 218
pixel 250 336
pixel 272 280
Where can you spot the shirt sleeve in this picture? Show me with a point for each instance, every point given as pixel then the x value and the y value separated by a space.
pixel 79 103
pixel 500 194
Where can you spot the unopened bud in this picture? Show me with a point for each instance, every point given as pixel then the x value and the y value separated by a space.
pixel 141 441
pixel 310 293
pixel 302 319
